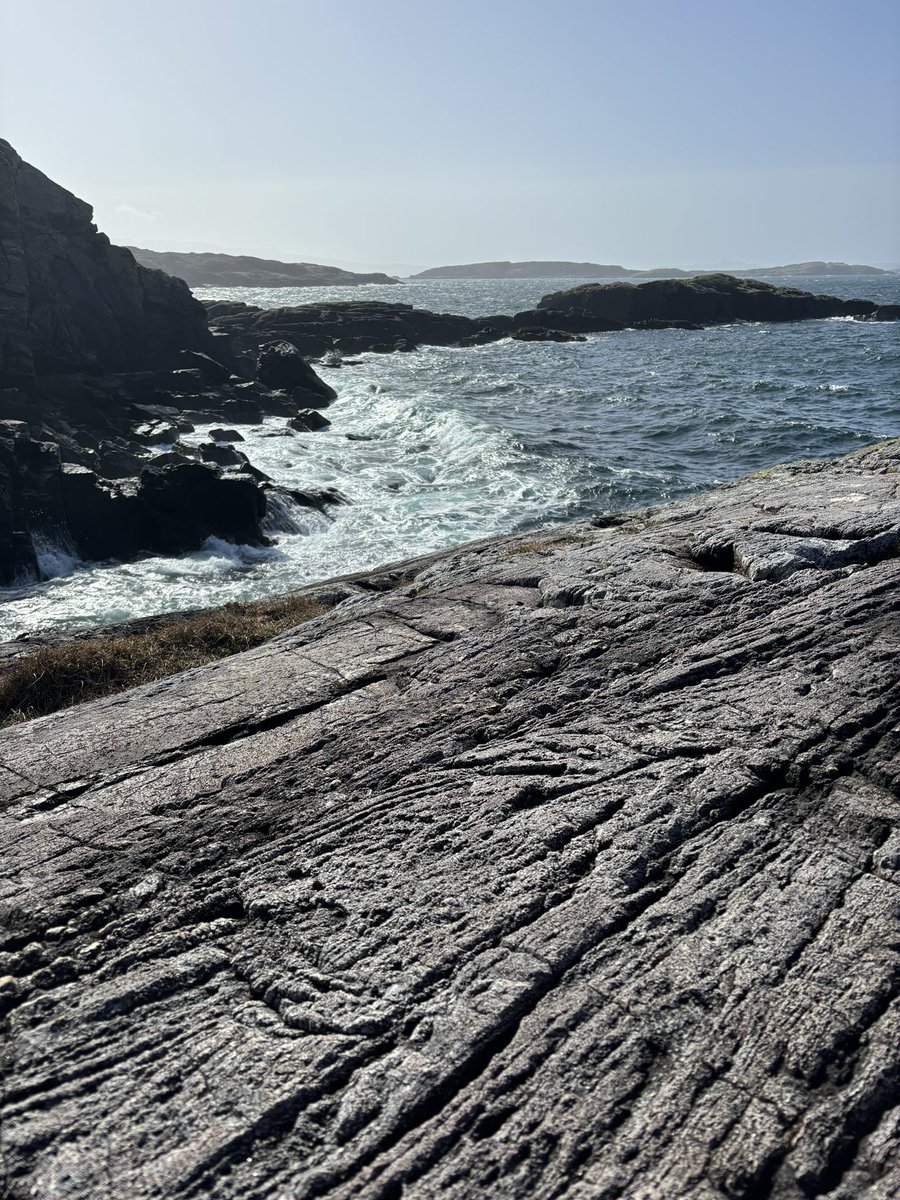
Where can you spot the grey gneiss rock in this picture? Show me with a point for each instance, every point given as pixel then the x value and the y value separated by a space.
pixel 563 864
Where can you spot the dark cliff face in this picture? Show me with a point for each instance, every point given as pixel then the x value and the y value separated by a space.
pixel 102 359
pixel 72 302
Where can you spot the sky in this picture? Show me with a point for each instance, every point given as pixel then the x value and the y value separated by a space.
pixel 401 134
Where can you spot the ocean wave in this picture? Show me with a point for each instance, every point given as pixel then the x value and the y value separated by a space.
pixel 444 445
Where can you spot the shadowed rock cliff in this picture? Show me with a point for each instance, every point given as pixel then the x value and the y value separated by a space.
pixel 100 361
pixel 69 300
pixel 563 864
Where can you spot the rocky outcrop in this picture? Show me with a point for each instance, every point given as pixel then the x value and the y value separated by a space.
pixel 564 864
pixel 103 361
pixel 703 300
pixel 241 270
pixel 72 302
pixel 316 329
pixel 319 329
pixel 281 365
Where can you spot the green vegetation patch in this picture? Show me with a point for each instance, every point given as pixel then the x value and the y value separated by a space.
pixel 85 668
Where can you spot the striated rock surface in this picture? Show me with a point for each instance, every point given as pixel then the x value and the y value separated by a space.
pixel 563 864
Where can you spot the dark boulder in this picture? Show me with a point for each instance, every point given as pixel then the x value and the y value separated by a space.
pixel 225 435
pixel 221 453
pixel 182 506
pixel 481 337
pixel 308 420
pixel 103 517
pixel 280 365
pixel 242 411
pixel 209 369
pixel 156 433
pixel 539 333
pixel 885 312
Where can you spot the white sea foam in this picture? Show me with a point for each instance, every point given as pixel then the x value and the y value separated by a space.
pixel 55 558
pixel 445 445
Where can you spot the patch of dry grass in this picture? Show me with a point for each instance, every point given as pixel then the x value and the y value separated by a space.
pixel 59 676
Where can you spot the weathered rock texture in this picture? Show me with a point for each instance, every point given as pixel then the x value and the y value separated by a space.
pixel 559 865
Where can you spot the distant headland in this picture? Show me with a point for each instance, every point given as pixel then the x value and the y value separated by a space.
pixel 232 270
pixel 589 270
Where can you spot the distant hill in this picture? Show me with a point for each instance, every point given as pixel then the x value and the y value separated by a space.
pixel 239 270
pixel 587 270
pixel 816 268
pixel 526 270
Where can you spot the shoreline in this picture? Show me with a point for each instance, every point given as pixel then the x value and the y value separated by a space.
pixel 403 860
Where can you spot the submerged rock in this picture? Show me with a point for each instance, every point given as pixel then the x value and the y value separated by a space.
pixel 561 864
pixel 308 420
pixel 540 333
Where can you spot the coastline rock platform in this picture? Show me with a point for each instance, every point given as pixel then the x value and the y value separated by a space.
pixel 354 326
pixel 563 864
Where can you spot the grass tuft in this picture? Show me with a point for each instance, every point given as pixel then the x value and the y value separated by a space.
pixel 86 668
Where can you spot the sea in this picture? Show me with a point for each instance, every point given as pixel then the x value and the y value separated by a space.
pixel 444 445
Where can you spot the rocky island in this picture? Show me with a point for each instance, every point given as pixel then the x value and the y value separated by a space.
pixel 555 865
pixel 242 270
pixel 588 270
pixel 352 327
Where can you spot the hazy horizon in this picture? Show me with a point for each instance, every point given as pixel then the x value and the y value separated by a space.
pixel 401 137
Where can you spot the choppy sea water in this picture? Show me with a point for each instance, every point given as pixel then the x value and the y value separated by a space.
pixel 444 445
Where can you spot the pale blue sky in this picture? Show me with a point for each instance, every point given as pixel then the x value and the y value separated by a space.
pixel 401 134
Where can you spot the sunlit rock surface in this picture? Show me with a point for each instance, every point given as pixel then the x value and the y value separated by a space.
pixel 564 864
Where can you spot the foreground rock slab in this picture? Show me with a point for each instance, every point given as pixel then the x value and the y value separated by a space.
pixel 563 864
